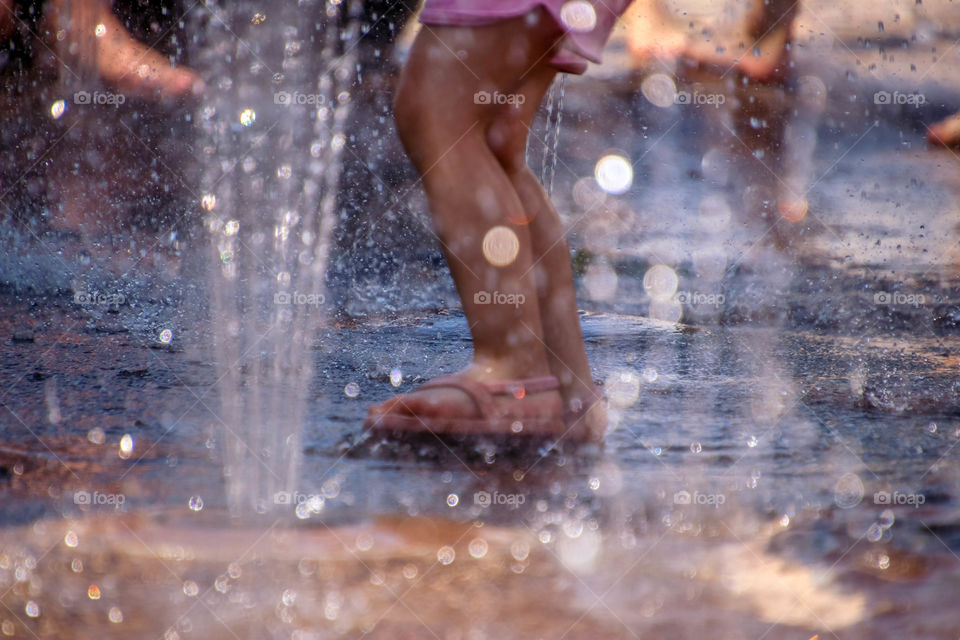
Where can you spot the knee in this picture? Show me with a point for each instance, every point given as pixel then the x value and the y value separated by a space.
pixel 507 139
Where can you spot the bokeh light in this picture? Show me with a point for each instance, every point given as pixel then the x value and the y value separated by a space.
pixel 659 89
pixel 614 174
pixel 660 282
pixel 578 15
pixel 500 246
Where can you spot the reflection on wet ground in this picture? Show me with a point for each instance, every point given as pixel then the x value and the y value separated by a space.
pixel 781 462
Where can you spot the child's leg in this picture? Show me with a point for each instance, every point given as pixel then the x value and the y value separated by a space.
pixel 445 132
pixel 554 276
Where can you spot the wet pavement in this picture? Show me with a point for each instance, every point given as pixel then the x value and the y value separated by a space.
pixel 783 386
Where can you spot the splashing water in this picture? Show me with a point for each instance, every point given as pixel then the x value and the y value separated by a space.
pixel 272 122
pixel 551 139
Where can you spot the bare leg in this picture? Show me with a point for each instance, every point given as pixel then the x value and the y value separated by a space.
pixel 445 132
pixel 562 335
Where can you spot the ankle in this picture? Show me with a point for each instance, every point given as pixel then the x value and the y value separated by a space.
pixel 509 367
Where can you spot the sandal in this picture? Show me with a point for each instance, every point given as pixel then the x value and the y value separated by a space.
pixel 487 419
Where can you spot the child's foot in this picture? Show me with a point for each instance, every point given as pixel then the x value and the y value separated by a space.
pixel 474 402
pixel 132 67
pixel 946 132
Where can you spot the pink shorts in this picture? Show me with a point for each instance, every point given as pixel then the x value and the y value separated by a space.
pixel 587 23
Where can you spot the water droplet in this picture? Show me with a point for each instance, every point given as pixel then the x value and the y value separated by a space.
pixel 477 548
pixel 695 447
pixel 578 15
pixel 71 539
pixel 883 561
pixel 453 500
pixel 126 446
pixel 248 117
pixel 57 109
pixel 614 174
pixel 190 588
pixel 96 435
pixel 93 592
pixel 932 427
pixel 195 503
pixel 32 609
pixel 166 336
pixel 594 484
pixel 410 571
pixel 352 390
pixel 115 615
pixel 659 89
pixel 660 282
pixel 752 441
pixel 500 246
pixel 446 555
pixel 100 30
pixel 396 377
pixel 258 18
pixel 231 228
pixel 848 491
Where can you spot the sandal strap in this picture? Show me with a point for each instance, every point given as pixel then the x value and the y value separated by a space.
pixel 476 392
pixel 482 393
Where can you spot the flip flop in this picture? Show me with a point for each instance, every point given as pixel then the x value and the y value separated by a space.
pixel 486 419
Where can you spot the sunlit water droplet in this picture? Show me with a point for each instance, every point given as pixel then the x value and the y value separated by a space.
pixel 57 109
pixel 166 336
pixel 659 89
pixel 258 18
pixel 248 117
pixel 96 435
pixel 477 548
pixel 500 246
pixel 126 446
pixel 752 442
pixel 115 615
pixel 195 503
pixel 614 174
pixel 660 282
pixel 32 609
pixel 696 447
pixel 396 377
pixel 578 15
pixel 100 30
pixel 190 588
pixel 93 592
pixel 446 555
pixel 453 500
pixel 71 539
pixel 352 390
pixel 848 491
